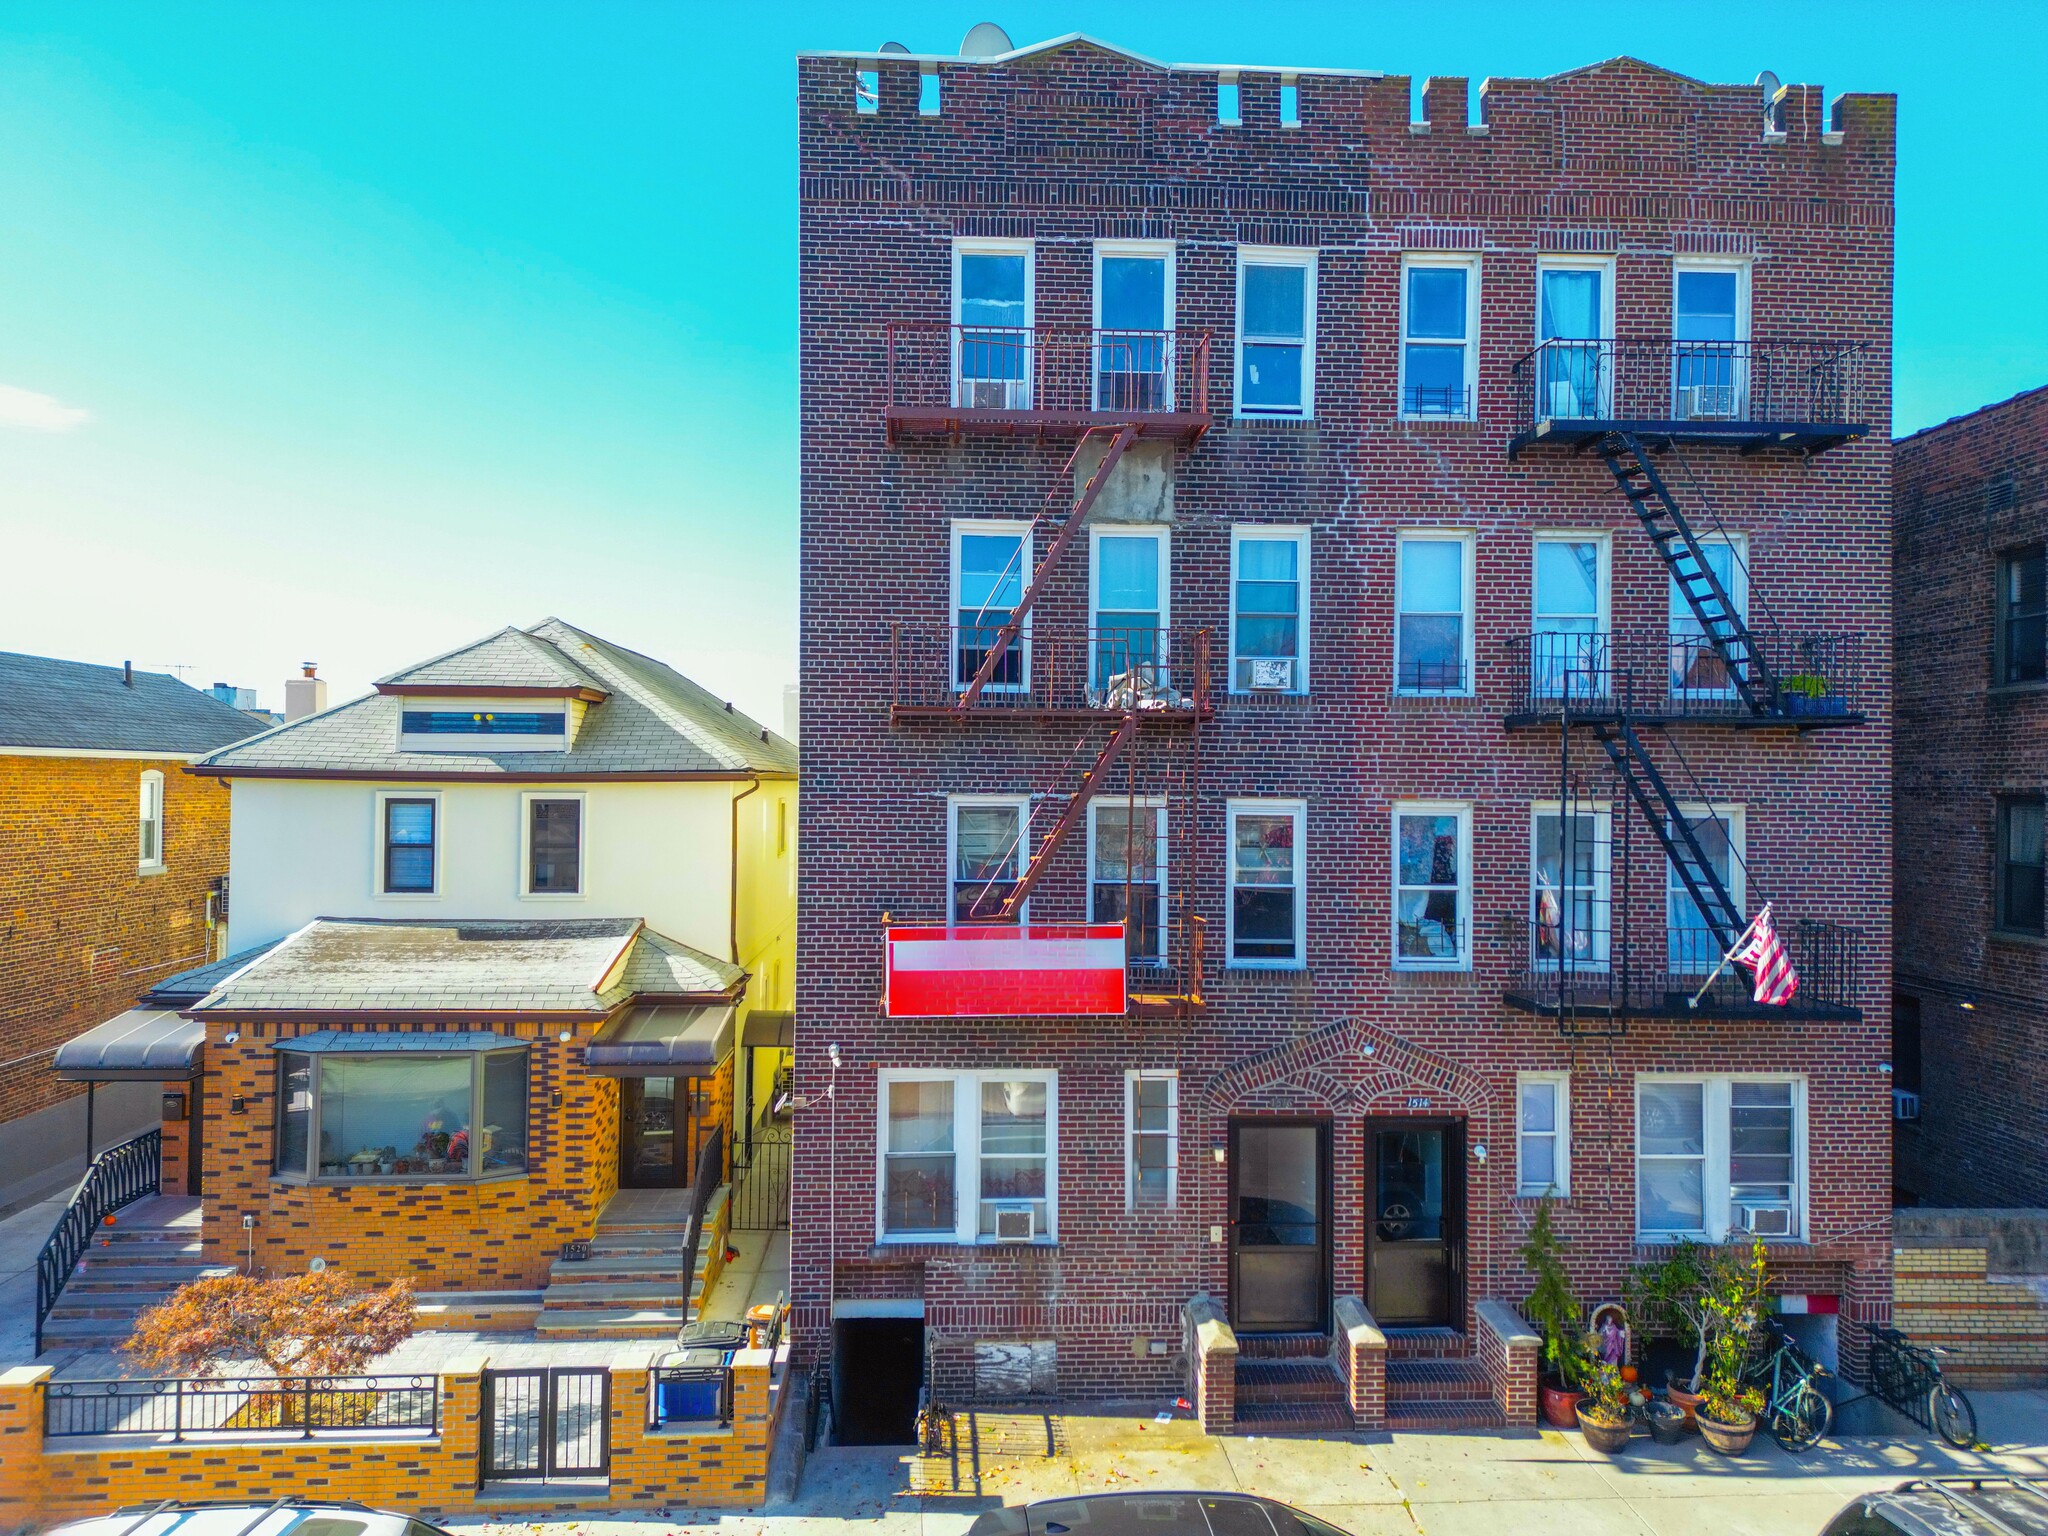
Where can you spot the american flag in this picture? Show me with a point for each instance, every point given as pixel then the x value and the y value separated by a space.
pixel 1768 961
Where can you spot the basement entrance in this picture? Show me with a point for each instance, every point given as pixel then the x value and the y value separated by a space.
pixel 877 1371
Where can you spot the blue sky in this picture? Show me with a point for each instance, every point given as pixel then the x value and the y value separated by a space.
pixel 349 332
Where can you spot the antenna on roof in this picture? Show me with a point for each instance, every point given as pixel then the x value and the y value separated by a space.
pixel 984 40
pixel 1774 102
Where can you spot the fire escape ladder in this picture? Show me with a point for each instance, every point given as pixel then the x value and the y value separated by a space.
pixel 1679 549
pixel 1653 797
pixel 1069 530
pixel 1070 816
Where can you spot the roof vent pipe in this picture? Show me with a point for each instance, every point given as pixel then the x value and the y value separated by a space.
pixel 127 674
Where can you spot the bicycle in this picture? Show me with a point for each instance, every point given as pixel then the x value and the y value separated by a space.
pixel 1796 1411
pixel 1908 1376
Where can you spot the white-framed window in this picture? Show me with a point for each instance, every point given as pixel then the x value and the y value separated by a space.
pixel 407 849
pixel 1129 586
pixel 1720 1157
pixel 1710 374
pixel 1689 944
pixel 1570 867
pixel 1269 601
pixel 1134 308
pixel 957 1149
pixel 1268 912
pixel 991 567
pixel 1433 628
pixel 1127 860
pixel 1698 671
pixel 1575 335
pixel 994 306
pixel 1276 331
pixel 1439 336
pixel 551 843
pixel 1151 1140
pixel 149 822
pixel 984 854
pixel 1432 885
pixel 1543 1138
pixel 1568 605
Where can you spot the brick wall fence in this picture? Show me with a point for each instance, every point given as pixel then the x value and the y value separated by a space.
pixel 1361 1360
pixel 1976 1284
pixel 1510 1352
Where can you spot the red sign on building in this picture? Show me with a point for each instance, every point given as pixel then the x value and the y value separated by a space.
pixel 1005 971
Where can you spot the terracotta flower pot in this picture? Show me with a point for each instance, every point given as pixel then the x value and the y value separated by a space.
pixel 1687 1402
pixel 1609 1438
pixel 1728 1439
pixel 1561 1406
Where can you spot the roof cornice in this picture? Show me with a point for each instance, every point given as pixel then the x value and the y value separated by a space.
pixel 566 780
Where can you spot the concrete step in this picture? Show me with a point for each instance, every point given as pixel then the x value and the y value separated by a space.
pixel 600 1298
pixel 1434 1415
pixel 651 1269
pixel 608 1245
pixel 98 1277
pixel 1427 1380
pixel 125 1303
pixel 130 1249
pixel 649 1323
pixel 63 1331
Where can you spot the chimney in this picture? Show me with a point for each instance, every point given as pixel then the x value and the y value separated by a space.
pixel 127 674
pixel 304 695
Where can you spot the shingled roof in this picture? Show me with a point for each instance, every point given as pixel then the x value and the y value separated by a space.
pixel 648 720
pixel 57 706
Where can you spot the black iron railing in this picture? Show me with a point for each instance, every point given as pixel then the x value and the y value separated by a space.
pixel 1664 674
pixel 710 1174
pixel 121 1175
pixel 182 1405
pixel 1111 668
pixel 689 1394
pixel 1668 380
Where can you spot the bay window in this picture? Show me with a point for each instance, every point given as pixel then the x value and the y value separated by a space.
pixel 1267 911
pixel 959 1149
pixel 1720 1157
pixel 379 1112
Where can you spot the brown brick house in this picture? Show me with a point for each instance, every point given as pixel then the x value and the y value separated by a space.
pixel 110 862
pixel 1316 628
pixel 1971 1012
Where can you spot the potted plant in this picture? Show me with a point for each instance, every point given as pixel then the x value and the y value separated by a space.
pixel 1728 1406
pixel 1667 1298
pixel 1553 1308
pixel 1668 1422
pixel 1806 693
pixel 1603 1412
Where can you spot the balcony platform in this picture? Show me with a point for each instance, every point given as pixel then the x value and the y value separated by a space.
pixel 1586 712
pixel 1184 428
pixel 1720 1004
pixel 1752 437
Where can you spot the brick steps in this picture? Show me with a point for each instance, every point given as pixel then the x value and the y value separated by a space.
pixel 1422 1380
pixel 1424 1415
pixel 1426 1343
pixel 1283 1389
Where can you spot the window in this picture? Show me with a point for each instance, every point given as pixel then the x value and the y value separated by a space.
pixel 1432 886
pixel 1439 335
pixel 1906 1054
pixel 1569 873
pixel 1269 610
pixel 482 722
pixel 1568 614
pixel 1134 365
pixel 409 844
pixel 401 1114
pixel 1709 329
pixel 554 846
pixel 2021 904
pixel 1575 331
pixel 1127 859
pixel 1698 672
pixel 1690 947
pixel 1127 618
pixel 1267 900
pixel 991 561
pixel 1276 335
pixel 1433 626
pixel 1717 1157
pixel 992 315
pixel 1152 1137
pixel 1543 1136
pixel 957 1149
pixel 983 855
pixel 149 852
pixel 2023 616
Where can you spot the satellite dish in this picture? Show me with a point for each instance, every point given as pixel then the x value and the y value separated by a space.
pixel 892 48
pixel 1768 84
pixel 985 40
pixel 1774 98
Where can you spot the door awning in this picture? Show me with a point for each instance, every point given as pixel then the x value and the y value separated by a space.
pixel 766 1026
pixel 141 1045
pixel 663 1040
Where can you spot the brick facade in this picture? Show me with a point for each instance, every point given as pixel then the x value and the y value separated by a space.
pixel 1966 493
pixel 1078 144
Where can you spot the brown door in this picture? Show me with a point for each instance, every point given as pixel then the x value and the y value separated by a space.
pixel 1280 1226
pixel 1415 1222
pixel 662 1123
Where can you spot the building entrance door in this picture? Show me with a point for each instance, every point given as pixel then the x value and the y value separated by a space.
pixel 662 1123
pixel 1415 1223
pixel 1280 1226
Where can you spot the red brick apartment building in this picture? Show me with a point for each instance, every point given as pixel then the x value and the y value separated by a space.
pixel 1970 1014
pixel 1316 623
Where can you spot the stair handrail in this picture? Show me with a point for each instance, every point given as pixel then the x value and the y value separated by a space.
pixel 126 1172
pixel 1756 597
pixel 710 1173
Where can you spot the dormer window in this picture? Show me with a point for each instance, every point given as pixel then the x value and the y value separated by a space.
pixel 484 722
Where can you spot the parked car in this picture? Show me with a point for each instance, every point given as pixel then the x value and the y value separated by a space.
pixel 280 1517
pixel 1154 1514
pixel 1947 1506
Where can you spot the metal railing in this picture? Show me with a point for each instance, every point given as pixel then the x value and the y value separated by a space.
pixel 1046 370
pixel 689 1394
pixel 1665 379
pixel 185 1405
pixel 710 1174
pixel 1670 674
pixel 1108 669
pixel 121 1175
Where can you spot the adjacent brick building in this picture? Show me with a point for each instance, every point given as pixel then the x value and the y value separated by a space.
pixel 1412 429
pixel 1970 519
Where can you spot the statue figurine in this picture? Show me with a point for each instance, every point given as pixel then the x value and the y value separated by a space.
pixel 1613 1342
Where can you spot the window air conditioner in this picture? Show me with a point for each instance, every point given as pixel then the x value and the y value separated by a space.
pixel 993 394
pixel 1272 674
pixel 1705 402
pixel 1764 1220
pixel 1016 1223
pixel 1905 1104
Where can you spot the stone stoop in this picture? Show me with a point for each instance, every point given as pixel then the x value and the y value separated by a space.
pixel 1438 1392
pixel 1287 1385
pixel 632 1285
pixel 127 1270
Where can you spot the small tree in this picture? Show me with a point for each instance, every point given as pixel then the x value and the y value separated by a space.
pixel 1551 1305
pixel 320 1324
pixel 1699 1294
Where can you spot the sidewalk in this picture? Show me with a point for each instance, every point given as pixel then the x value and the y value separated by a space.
pixel 22 1236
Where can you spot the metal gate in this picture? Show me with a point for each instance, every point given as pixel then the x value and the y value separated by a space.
pixel 547 1423
pixel 760 1201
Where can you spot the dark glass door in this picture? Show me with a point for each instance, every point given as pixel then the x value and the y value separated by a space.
pixel 662 1123
pixel 1415 1225
pixel 1279 1228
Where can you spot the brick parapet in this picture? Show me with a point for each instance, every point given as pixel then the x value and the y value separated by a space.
pixel 1360 1351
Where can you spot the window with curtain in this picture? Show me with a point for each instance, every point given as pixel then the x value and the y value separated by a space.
pixel 554 847
pixel 1719 1156
pixel 1127 856
pixel 150 822
pixel 1431 887
pixel 1013 1149
pixel 1690 947
pixel 1132 371
pixel 1265 886
pixel 1438 332
pixel 1433 632
pixel 958 1147
pixel 1573 380
pixel 918 1194
pixel 1267 603
pixel 1570 913
pixel 989 572
pixel 401 1114
pixel 1671 1157
pixel 1152 1126
pixel 409 845
pixel 1275 366
pixel 1542 1162
pixel 1568 651
pixel 1130 580
pixel 1698 671
pixel 2022 901
pixel 987 839
pixel 2023 616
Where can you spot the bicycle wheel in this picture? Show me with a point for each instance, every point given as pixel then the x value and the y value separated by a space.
pixel 1803 1419
pixel 1952 1416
